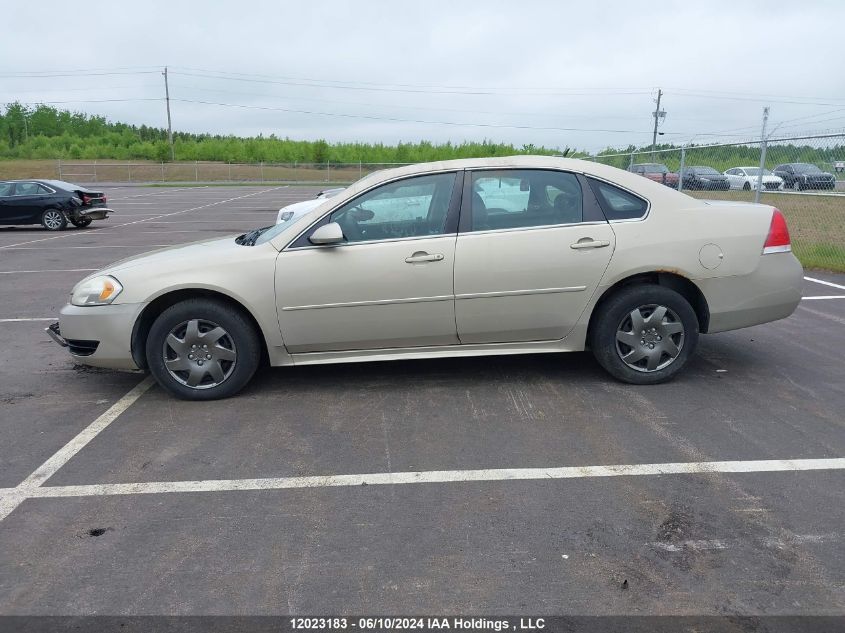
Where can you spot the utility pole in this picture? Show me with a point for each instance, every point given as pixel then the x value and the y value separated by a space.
pixel 763 142
pixel 658 114
pixel 169 127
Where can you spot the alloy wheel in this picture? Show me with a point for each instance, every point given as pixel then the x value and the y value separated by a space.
pixel 53 220
pixel 199 354
pixel 650 338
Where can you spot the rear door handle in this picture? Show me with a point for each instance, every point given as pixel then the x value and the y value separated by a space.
pixel 422 256
pixel 589 243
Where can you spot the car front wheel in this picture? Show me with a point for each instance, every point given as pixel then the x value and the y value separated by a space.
pixel 53 220
pixel 644 334
pixel 201 349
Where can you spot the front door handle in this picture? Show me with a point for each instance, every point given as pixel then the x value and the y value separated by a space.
pixel 422 256
pixel 589 243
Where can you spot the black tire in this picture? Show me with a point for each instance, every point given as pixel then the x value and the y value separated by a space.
pixel 615 313
pixel 53 220
pixel 747 186
pixel 797 186
pixel 241 339
pixel 81 223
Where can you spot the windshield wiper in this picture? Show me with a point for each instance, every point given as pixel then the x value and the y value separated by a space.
pixel 248 239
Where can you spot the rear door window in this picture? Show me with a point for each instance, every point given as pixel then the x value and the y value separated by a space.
pixel 524 198
pixel 28 189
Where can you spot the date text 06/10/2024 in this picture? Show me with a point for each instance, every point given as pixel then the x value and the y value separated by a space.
pixel 415 623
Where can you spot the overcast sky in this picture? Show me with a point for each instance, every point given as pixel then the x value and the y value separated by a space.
pixel 555 73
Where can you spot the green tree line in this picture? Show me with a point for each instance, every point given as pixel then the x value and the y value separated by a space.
pixel 46 132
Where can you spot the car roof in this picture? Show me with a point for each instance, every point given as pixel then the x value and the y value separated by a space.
pixel 45 181
pixel 504 162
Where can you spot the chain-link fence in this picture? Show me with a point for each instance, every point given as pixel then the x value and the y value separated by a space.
pixel 202 171
pixel 804 177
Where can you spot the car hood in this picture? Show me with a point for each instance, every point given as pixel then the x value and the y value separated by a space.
pixel 304 206
pixel 179 252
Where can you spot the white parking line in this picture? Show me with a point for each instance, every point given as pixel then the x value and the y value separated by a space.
pixel 52 270
pixel 721 544
pixel 11 498
pixel 32 488
pixel 824 283
pixel 156 193
pixel 163 215
pixel 823 297
pixel 25 319
pixel 55 248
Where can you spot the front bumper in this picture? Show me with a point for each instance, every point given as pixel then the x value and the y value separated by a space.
pixel 100 336
pixel 54 332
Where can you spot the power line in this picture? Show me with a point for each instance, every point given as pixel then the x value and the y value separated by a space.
pixel 421 121
pixel 90 74
pixel 596 91
pixel 754 99
pixel 403 106
pixel 753 94
pixel 400 120
pixel 314 84
pixel 36 103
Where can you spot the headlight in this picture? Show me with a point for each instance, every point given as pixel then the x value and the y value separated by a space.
pixel 97 291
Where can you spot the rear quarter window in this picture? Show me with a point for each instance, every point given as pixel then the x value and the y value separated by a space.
pixel 617 203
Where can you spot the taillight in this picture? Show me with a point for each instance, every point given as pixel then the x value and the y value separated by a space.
pixel 85 199
pixel 778 239
pixel 105 199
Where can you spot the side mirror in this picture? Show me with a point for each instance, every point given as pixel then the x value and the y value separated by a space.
pixel 330 233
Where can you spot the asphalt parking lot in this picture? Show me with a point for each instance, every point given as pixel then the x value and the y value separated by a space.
pixel 438 486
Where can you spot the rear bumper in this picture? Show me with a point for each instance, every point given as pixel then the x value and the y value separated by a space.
pixel 98 335
pixel 771 292
pixel 94 213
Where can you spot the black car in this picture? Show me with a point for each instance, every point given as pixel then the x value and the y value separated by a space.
pixel 800 176
pixel 51 203
pixel 705 178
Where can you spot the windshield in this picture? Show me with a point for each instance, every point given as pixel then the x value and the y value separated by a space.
pixel 705 170
pixel 755 171
pixel 655 168
pixel 268 234
pixel 806 168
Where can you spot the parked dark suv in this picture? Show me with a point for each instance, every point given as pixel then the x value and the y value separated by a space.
pixel 800 176
pixel 705 178
pixel 657 172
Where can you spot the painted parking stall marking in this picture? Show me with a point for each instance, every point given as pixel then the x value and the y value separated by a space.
pixel 824 283
pixel 163 215
pixel 32 487
pixel 11 498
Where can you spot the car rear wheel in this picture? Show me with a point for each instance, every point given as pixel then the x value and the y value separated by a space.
pixel 53 220
pixel 747 186
pixel 200 349
pixel 81 223
pixel 644 334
